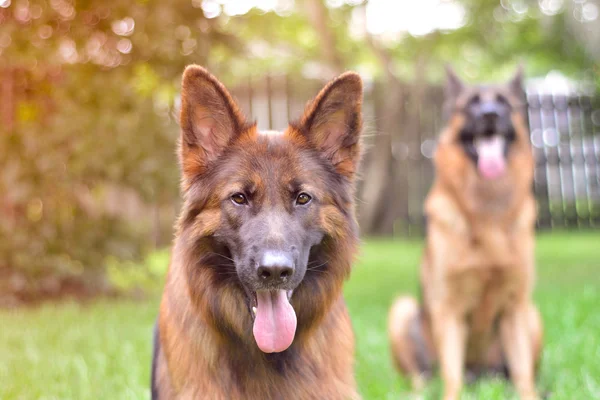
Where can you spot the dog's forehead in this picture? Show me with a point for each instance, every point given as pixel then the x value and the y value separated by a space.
pixel 489 94
pixel 272 156
pixel 272 167
pixel 271 133
pixel 485 93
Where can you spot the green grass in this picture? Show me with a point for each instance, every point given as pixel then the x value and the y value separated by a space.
pixel 102 350
pixel 567 293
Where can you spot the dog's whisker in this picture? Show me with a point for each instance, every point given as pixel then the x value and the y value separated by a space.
pixel 323 262
pixel 227 273
pixel 221 255
pixel 320 271
pixel 316 261
pixel 317 267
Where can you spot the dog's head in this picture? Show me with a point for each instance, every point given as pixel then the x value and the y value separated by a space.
pixel 486 113
pixel 258 204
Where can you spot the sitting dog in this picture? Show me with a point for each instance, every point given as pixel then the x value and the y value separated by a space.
pixel 477 272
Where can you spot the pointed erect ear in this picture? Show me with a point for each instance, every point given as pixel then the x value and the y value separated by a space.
pixel 454 85
pixel 209 119
pixel 516 82
pixel 332 122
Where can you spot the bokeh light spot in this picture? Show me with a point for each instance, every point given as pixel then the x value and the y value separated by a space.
pixel 124 46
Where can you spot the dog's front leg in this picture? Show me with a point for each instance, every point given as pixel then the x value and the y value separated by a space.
pixel 450 336
pixel 516 342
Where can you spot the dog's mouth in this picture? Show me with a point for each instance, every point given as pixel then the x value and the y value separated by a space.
pixel 274 320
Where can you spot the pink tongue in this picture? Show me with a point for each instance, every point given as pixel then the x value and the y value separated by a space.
pixel 491 163
pixel 275 322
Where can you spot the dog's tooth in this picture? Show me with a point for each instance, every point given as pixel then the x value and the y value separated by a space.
pixel 254 310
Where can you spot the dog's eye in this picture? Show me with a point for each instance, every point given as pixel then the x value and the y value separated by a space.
pixel 303 199
pixel 239 199
pixel 466 137
pixel 475 99
pixel 501 99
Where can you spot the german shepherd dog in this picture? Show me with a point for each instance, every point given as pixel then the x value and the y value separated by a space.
pixel 477 272
pixel 252 307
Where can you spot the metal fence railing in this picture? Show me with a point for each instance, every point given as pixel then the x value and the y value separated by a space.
pixel 565 136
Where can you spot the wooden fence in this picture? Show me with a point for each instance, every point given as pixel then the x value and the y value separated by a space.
pixel 401 129
pixel 565 137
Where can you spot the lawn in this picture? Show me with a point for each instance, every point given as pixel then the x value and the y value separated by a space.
pixel 102 350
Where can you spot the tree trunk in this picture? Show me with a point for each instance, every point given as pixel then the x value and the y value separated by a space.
pixel 379 173
pixel 318 15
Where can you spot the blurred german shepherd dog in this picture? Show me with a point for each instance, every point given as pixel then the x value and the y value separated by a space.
pixel 477 273
pixel 252 307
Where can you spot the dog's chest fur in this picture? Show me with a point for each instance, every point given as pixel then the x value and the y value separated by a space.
pixel 494 237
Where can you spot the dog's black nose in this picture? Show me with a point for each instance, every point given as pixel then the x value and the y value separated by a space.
pixel 490 116
pixel 275 273
pixel 275 267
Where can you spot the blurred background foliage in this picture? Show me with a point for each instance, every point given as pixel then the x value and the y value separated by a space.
pixel 89 94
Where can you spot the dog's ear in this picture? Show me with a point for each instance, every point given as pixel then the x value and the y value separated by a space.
pixel 515 83
pixel 332 122
pixel 209 120
pixel 454 85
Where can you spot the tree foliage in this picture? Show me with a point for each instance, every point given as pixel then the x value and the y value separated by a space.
pixel 86 124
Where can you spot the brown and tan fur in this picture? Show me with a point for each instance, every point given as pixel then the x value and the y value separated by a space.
pixel 204 346
pixel 477 273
